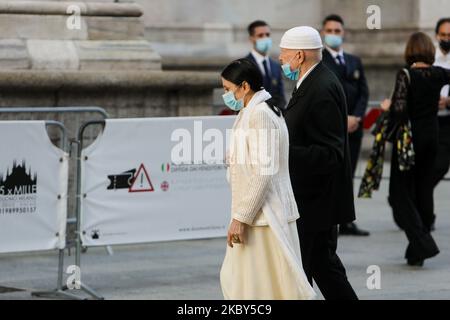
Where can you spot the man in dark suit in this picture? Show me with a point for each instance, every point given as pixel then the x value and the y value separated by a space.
pixel 442 59
pixel 349 70
pixel 259 35
pixel 319 159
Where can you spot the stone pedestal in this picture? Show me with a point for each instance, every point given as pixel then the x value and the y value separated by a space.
pixel 41 35
pixel 107 62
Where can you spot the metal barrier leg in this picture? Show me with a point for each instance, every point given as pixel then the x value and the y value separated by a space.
pixel 91 292
pixel 78 247
pixel 60 291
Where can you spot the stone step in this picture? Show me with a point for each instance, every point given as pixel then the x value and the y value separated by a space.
pixel 78 55
pixel 91 8
pixel 29 26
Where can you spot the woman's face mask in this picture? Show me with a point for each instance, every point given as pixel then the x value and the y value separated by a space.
pixel 231 102
pixel 290 74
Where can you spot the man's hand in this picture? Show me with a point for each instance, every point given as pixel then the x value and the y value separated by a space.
pixel 443 103
pixel 236 233
pixel 353 123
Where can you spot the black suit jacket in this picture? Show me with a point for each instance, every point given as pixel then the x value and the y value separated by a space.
pixel 353 81
pixel 319 158
pixel 275 87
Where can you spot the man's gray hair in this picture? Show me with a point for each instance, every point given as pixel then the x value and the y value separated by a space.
pixel 314 54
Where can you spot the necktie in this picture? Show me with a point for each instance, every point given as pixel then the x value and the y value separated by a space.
pixel 267 77
pixel 341 65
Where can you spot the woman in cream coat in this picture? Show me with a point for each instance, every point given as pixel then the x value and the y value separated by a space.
pixel 263 259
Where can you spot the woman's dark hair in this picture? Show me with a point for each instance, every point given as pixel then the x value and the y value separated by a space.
pixel 420 48
pixel 242 70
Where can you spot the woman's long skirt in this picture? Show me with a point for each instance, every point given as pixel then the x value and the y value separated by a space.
pixel 259 269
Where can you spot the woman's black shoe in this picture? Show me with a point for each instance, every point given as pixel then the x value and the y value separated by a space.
pixel 415 263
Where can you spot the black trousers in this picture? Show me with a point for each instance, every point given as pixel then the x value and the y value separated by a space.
pixel 411 198
pixel 322 264
pixel 355 140
pixel 442 163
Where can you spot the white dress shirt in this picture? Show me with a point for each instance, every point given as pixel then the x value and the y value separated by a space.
pixel 259 60
pixel 443 61
pixel 305 75
pixel 335 54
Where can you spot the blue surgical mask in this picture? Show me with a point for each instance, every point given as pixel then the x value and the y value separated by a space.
pixel 263 45
pixel 230 101
pixel 333 41
pixel 292 75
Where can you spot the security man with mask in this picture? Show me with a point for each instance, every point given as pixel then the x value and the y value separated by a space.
pixel 443 60
pixel 349 70
pixel 259 35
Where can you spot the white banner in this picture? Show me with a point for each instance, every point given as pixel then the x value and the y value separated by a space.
pixel 33 188
pixel 139 187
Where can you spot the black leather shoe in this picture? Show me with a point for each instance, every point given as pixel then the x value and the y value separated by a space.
pixel 415 263
pixel 351 229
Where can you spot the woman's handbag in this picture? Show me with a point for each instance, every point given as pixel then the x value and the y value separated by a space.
pixel 404 141
pixel 399 133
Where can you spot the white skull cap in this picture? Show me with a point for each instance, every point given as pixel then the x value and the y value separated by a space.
pixel 303 37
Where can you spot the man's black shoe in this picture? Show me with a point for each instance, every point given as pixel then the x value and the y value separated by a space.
pixel 351 229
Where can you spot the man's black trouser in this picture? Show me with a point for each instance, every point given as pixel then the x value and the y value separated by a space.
pixel 322 264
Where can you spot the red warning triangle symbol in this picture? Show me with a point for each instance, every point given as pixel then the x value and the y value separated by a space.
pixel 141 181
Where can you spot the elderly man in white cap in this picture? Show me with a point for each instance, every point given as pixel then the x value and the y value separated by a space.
pixel 319 159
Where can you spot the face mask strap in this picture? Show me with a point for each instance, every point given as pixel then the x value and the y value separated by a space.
pixel 293 59
pixel 234 92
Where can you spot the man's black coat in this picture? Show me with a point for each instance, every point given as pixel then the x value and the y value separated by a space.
pixel 353 80
pixel 319 160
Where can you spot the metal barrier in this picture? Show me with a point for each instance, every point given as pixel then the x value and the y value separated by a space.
pixel 63 146
pixel 79 195
pixel 61 289
pixel 78 249
pixel 98 110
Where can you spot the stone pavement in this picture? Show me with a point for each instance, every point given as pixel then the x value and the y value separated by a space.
pixel 190 269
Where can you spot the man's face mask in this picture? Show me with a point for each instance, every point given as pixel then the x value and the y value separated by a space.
pixel 290 74
pixel 263 45
pixel 445 45
pixel 333 41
